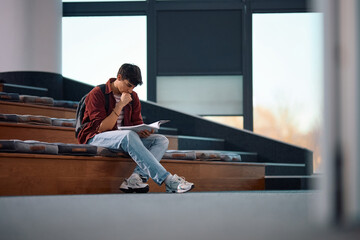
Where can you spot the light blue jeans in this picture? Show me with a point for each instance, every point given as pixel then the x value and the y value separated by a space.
pixel 146 152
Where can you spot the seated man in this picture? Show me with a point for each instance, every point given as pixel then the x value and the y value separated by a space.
pixel 124 109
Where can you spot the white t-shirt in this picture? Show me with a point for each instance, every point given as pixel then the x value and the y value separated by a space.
pixel 121 116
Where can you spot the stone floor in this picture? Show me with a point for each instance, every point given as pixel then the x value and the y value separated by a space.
pixel 206 215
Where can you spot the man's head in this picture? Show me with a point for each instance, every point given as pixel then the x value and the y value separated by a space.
pixel 128 77
pixel 131 73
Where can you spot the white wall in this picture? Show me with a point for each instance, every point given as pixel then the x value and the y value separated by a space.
pixel 30 35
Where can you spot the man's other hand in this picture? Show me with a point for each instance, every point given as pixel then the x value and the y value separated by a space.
pixel 145 133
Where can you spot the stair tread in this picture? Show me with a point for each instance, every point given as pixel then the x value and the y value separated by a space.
pixel 200 138
pixel 24 86
pixel 295 182
pixel 217 151
pixel 169 128
pixel 300 165
pixel 106 158
pixel 36 105
pixel 293 176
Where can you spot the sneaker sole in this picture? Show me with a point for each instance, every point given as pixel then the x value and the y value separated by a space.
pixel 136 190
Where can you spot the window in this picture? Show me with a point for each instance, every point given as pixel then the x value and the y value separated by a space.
pixel 287 78
pixel 95 47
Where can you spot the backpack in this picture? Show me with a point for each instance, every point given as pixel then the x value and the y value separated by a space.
pixel 80 110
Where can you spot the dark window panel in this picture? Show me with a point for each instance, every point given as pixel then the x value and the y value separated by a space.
pixel 199 42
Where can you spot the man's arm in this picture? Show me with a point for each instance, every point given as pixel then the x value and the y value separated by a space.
pixel 109 122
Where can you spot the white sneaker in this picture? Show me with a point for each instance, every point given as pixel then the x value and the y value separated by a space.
pixel 134 184
pixel 178 185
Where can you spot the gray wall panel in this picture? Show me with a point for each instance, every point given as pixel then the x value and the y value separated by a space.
pixel 199 42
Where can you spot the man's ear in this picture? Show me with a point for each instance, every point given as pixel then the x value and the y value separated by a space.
pixel 119 77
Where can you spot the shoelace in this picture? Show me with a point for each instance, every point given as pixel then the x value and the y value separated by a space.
pixel 134 180
pixel 181 179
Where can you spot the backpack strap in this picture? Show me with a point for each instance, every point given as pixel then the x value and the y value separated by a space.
pixel 103 88
pixel 81 109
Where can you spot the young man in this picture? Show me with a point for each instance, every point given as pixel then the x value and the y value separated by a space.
pixel 124 109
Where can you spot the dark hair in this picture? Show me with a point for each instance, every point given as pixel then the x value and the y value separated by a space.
pixel 131 72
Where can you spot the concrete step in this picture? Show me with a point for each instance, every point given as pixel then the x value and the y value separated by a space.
pixel 45 174
pixel 23 131
pixel 168 131
pixel 281 169
pixel 23 90
pixel 291 182
pixel 32 109
pixel 199 143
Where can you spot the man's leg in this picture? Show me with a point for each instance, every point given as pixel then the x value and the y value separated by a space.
pixel 157 145
pixel 130 142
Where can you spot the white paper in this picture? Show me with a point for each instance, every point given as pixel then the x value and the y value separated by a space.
pixel 142 127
